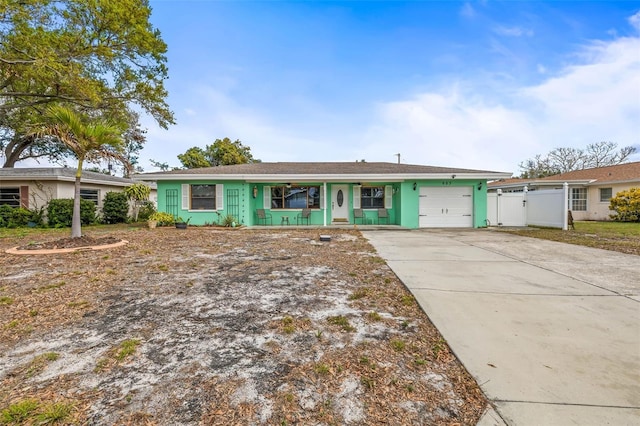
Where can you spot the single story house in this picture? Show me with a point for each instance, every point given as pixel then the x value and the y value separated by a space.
pixel 412 196
pixel 590 190
pixel 34 187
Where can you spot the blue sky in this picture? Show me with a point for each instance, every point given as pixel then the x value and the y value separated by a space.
pixel 480 85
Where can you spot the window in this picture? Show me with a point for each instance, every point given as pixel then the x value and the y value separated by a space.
pixel 203 197
pixel 90 195
pixel 578 199
pixel 295 197
pixel 605 195
pixel 372 197
pixel 10 197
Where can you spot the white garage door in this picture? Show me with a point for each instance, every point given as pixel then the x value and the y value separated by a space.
pixel 446 207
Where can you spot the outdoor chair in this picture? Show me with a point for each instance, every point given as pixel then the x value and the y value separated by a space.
pixel 359 214
pixel 383 214
pixel 302 216
pixel 263 216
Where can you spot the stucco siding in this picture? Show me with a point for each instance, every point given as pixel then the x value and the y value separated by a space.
pixel 599 210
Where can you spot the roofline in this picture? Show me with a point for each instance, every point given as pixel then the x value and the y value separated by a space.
pixel 387 177
pixel 585 182
pixel 57 177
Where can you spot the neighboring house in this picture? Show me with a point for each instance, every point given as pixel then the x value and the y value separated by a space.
pixel 34 187
pixel 590 190
pixel 413 196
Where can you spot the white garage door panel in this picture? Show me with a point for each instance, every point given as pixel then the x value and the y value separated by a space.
pixel 442 207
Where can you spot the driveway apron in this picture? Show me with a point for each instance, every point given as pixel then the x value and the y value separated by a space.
pixel 550 331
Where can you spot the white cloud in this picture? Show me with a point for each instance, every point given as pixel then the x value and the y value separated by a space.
pixel 450 129
pixel 596 101
pixel 513 31
pixel 467 11
pixel 469 124
pixel 634 20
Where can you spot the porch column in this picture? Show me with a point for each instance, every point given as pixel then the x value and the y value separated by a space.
pixel 324 212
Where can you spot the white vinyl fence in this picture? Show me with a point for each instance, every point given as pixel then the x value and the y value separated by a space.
pixel 546 207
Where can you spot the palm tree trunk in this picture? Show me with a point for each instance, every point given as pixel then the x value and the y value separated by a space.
pixel 76 223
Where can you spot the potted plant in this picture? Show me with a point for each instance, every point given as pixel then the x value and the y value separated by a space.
pixel 181 223
pixel 160 219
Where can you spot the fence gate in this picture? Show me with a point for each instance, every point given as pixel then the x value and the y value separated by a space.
pixel 172 201
pixel 507 209
pixel 546 207
pixel 233 203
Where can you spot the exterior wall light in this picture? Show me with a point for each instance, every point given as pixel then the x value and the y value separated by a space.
pixel 415 185
pixel 255 191
pixel 480 186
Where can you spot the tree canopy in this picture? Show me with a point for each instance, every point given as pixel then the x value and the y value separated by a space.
pixel 101 56
pixel 87 138
pixel 562 160
pixel 222 152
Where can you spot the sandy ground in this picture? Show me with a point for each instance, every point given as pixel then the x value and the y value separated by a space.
pixel 225 327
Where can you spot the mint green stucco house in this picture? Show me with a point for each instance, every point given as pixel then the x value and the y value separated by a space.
pixel 413 196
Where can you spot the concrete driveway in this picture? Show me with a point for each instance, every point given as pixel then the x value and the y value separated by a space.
pixel 550 331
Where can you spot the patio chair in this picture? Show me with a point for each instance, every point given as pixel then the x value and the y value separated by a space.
pixel 263 216
pixel 302 216
pixel 383 214
pixel 359 214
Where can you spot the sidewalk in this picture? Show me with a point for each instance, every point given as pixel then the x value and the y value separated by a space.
pixel 550 331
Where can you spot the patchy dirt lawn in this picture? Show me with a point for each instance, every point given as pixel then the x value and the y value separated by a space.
pixel 210 326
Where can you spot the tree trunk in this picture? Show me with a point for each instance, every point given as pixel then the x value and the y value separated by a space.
pixel 12 153
pixel 76 222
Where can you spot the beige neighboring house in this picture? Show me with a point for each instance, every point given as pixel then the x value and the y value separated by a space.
pixel 589 190
pixel 34 187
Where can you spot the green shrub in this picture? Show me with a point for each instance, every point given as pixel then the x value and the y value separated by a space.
pixel 60 212
pixel 14 217
pixel 229 221
pixel 37 215
pixel 146 210
pixel 626 204
pixel 115 207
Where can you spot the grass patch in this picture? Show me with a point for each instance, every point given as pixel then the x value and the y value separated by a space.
pixel 52 286
pixel 19 412
pixel 321 368
pixel 359 293
pixel 288 325
pixel 123 351
pixel 40 362
pixel 438 347
pixel 6 300
pixel 406 300
pixel 127 348
pixel 342 322
pixel 398 345
pixel 54 413
pixel 31 411
pixel 623 237
pixel 374 316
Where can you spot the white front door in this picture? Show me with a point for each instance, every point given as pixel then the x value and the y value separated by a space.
pixel 340 203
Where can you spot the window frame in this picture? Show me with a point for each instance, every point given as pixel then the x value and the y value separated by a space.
pixel 11 199
pixel 371 197
pixel 578 202
pixel 278 195
pixel 95 199
pixel 608 199
pixel 201 198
